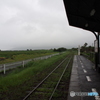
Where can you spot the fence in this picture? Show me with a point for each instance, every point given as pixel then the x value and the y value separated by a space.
pixel 5 67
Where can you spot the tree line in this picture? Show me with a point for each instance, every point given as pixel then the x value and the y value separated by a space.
pixel 62 49
pixel 86 48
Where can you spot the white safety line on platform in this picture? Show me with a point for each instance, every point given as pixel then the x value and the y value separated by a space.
pixel 88 78
pixel 81 63
pixel 82 66
pixel 84 71
pixel 96 97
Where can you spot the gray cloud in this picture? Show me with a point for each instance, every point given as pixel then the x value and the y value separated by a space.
pixel 37 24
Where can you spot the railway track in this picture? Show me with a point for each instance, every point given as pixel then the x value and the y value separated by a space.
pixel 49 87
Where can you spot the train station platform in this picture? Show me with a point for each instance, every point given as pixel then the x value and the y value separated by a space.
pixel 84 81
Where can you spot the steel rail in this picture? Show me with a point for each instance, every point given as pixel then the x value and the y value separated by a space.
pixel 59 79
pixel 43 80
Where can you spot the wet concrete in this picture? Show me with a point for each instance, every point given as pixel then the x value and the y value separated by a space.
pixel 83 79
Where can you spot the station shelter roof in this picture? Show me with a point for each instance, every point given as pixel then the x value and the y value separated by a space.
pixel 84 14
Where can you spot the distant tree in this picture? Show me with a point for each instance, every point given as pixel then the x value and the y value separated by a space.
pixel 86 48
pixel 83 48
pixel 27 49
pixel 89 48
pixel 74 48
pixel 85 44
pixel 60 49
pixel 55 49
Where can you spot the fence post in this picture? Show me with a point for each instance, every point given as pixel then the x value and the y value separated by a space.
pixel 79 50
pixel 23 64
pixel 4 68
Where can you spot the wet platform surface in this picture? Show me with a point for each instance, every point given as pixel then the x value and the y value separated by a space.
pixel 84 79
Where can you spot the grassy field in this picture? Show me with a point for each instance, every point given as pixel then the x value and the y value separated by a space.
pixel 14 84
pixel 13 56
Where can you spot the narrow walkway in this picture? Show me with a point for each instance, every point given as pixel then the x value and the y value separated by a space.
pixel 84 79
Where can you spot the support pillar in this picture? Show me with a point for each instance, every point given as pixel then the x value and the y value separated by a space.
pixel 97 52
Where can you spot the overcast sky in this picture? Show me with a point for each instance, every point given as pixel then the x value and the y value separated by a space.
pixel 38 24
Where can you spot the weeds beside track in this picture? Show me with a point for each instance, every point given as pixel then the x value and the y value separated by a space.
pixel 19 83
pixel 47 88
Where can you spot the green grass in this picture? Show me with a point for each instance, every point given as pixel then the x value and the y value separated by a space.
pixel 19 80
pixel 13 56
pixel 15 83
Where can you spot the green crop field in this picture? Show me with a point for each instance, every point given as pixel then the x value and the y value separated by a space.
pixel 13 56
